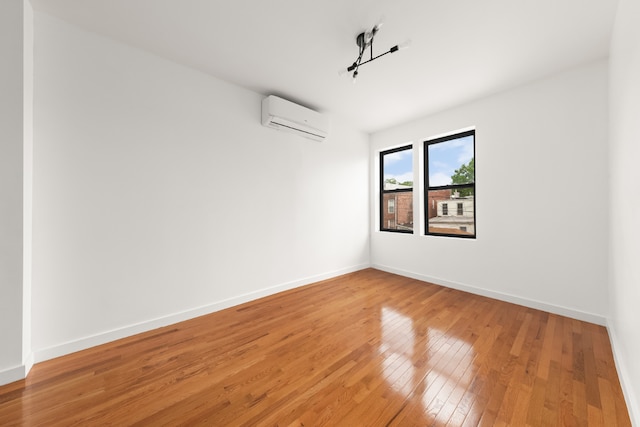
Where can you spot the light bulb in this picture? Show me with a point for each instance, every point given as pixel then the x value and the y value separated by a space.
pixel 404 45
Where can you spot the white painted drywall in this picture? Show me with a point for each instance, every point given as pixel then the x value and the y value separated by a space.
pixel 16 84
pixel 158 195
pixel 625 203
pixel 542 197
pixel 27 184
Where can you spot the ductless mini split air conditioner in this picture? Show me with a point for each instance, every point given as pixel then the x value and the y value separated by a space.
pixel 284 115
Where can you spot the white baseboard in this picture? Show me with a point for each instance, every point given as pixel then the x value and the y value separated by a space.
pixel 623 374
pixel 28 364
pixel 538 305
pixel 16 373
pixel 12 374
pixel 115 334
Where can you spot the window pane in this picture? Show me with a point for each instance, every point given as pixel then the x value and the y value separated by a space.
pixel 397 211
pixel 443 219
pixel 398 170
pixel 451 162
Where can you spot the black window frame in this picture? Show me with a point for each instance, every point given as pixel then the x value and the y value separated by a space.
pixel 452 187
pixel 383 191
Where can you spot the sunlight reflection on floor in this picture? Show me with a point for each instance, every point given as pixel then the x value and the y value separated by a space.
pixel 433 382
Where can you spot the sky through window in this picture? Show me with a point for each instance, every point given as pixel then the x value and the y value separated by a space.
pixel 446 157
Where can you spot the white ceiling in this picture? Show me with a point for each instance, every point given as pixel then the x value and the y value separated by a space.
pixel 460 49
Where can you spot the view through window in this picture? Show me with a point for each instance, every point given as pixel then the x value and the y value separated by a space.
pixel 450 189
pixel 396 190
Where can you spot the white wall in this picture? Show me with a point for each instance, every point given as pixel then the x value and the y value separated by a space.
pixel 625 178
pixel 159 196
pixel 541 161
pixel 16 83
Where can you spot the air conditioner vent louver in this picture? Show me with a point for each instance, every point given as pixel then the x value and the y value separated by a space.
pixel 311 134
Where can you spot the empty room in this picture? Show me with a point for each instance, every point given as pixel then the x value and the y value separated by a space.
pixel 295 213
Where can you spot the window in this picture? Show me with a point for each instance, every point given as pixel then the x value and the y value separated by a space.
pixel 396 190
pixel 450 178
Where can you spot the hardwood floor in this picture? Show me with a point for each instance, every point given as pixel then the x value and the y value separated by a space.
pixel 365 349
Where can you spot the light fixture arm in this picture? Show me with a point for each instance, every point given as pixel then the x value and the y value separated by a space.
pixel 393 49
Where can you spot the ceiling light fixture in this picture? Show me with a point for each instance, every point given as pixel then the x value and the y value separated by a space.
pixel 364 41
